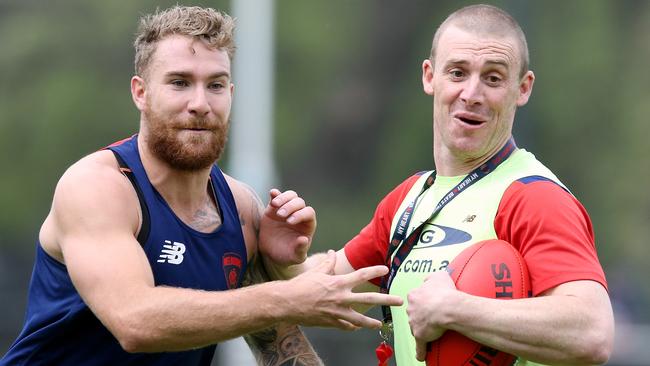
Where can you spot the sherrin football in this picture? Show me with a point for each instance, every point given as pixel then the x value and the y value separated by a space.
pixel 490 268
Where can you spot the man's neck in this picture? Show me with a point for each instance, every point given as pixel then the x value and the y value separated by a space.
pixel 182 190
pixel 451 164
pixel 451 167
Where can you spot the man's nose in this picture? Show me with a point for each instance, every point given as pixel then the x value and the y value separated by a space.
pixel 472 92
pixel 198 104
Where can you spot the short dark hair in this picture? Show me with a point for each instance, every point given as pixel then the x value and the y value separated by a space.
pixel 485 19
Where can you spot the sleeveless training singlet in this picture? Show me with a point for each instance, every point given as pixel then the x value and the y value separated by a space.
pixel 61 330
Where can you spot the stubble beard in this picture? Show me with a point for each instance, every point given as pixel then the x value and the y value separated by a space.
pixel 187 153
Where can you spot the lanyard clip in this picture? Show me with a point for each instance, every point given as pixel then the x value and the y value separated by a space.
pixel 386 331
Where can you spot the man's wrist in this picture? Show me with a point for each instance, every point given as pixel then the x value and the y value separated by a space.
pixel 278 271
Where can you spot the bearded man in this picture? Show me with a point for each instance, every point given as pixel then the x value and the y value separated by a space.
pixel 141 258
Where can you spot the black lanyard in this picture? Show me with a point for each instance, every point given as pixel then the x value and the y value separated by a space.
pixel 401 244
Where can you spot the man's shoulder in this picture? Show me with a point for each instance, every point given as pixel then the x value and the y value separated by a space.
pixel 94 182
pixel 97 168
pixel 244 194
pixel 536 199
pixel 543 191
pixel 91 198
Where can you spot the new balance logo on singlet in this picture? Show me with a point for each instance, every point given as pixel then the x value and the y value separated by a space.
pixel 172 253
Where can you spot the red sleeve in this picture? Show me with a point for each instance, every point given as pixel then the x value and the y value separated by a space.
pixel 552 231
pixel 369 247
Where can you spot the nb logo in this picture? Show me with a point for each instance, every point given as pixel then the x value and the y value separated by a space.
pixel 172 253
pixel 469 218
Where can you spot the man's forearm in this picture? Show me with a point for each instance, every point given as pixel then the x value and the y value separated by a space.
pixel 279 272
pixel 200 318
pixel 572 325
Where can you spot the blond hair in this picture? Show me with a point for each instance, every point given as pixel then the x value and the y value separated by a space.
pixel 486 19
pixel 213 27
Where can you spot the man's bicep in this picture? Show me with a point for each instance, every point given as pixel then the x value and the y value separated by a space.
pixel 96 219
pixel 250 209
pixel 593 292
pixel 595 301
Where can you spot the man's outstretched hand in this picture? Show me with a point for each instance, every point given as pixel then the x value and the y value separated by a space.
pixel 323 299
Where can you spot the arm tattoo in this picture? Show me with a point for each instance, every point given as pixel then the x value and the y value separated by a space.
pixel 283 344
pixel 257 208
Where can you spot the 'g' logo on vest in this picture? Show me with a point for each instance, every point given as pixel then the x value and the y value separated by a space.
pixel 438 235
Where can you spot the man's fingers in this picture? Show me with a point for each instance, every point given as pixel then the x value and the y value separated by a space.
pixel 305 214
pixel 282 197
pixel 420 350
pixel 374 298
pixel 290 207
pixel 365 274
pixel 345 325
pixel 274 192
pixel 360 320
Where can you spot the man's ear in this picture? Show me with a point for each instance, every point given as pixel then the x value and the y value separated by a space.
pixel 138 92
pixel 525 88
pixel 427 76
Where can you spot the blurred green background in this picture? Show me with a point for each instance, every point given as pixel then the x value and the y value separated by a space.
pixel 351 120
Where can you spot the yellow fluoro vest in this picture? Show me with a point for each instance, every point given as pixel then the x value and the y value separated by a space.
pixel 467 219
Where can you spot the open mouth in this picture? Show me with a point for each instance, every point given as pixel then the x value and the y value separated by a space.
pixel 470 121
pixel 469 118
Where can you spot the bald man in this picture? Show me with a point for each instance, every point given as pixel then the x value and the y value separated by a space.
pixel 483 187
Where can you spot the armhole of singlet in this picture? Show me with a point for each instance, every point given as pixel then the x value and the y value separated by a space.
pixel 539 178
pixel 143 235
pixel 215 196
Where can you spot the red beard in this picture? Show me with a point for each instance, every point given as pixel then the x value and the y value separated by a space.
pixel 197 151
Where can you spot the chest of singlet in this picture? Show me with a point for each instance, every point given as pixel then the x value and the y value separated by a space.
pixel 179 255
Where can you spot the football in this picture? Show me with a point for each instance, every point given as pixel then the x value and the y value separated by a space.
pixel 490 268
